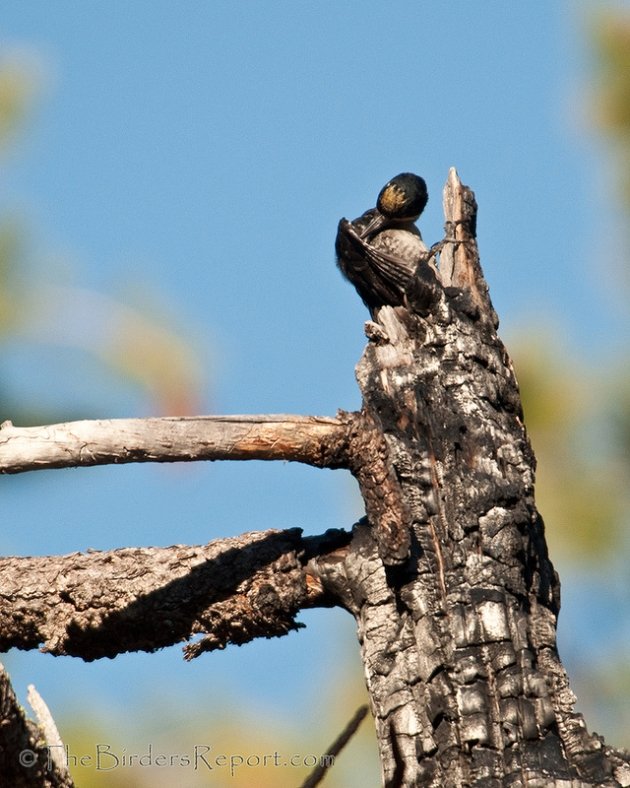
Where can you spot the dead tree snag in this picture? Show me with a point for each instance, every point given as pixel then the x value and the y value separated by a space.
pixel 448 576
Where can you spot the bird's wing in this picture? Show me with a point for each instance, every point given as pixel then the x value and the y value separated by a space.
pixel 394 271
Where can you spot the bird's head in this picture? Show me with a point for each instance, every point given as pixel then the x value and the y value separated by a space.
pixel 401 200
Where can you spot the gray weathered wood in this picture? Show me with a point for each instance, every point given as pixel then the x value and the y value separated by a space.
pixel 314 440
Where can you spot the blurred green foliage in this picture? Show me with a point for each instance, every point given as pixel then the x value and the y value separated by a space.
pixel 571 414
pixel 612 114
pixel 239 733
pixel 17 88
pixel 612 110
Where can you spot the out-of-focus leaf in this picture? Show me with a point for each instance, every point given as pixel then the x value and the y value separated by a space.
pixel 612 100
pixel 10 254
pixel 612 37
pixel 17 87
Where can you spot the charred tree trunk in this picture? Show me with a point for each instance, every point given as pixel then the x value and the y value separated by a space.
pixel 459 639
pixel 448 576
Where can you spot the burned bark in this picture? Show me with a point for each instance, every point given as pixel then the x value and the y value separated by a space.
pixel 459 635
pixel 448 576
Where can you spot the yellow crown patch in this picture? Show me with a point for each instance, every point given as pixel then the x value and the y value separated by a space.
pixel 392 198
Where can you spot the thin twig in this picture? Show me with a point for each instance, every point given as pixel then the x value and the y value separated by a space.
pixel 326 761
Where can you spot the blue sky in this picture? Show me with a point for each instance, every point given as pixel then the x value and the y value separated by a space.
pixel 206 151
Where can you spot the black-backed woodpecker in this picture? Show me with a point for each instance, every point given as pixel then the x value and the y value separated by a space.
pixel 382 253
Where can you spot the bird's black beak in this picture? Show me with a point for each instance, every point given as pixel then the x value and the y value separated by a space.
pixel 375 224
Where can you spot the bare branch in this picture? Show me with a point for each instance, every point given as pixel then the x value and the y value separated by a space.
pixel 100 604
pixel 313 440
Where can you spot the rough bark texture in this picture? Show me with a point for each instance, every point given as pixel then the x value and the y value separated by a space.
pixel 101 604
pixel 458 639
